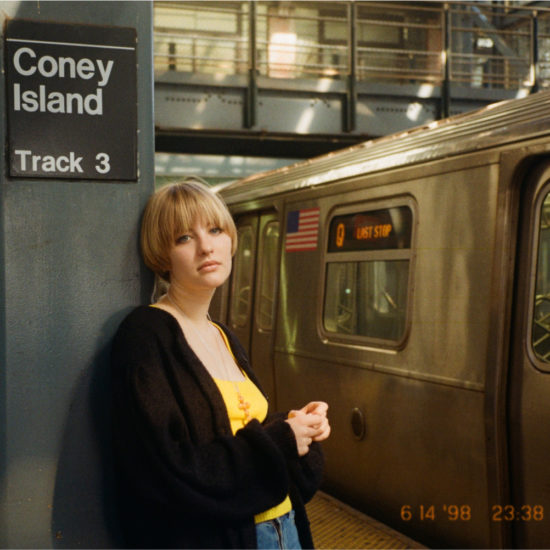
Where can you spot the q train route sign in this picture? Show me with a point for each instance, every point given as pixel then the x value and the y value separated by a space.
pixel 72 101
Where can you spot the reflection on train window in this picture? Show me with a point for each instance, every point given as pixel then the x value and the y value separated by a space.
pixel 541 316
pixel 242 278
pixel 367 298
pixel 266 301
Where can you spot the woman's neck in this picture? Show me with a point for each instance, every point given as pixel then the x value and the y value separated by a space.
pixel 194 305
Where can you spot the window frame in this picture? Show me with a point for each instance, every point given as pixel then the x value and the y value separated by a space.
pixel 368 256
pixel 262 275
pixel 535 233
pixel 235 280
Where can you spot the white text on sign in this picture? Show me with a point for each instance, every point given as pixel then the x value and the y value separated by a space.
pixel 43 100
pixel 69 163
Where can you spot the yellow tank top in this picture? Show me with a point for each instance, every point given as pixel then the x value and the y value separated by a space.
pixel 253 405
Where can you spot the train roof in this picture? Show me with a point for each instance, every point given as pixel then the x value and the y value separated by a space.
pixel 496 124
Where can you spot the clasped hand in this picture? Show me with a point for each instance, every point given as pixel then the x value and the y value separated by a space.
pixel 309 424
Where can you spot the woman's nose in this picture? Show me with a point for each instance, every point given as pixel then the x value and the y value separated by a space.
pixel 206 245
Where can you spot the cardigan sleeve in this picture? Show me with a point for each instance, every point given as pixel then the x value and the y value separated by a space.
pixel 306 472
pixel 168 448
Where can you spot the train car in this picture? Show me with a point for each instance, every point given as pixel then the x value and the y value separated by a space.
pixel 406 281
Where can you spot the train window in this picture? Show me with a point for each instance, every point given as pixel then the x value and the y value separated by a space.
pixel 367 298
pixel 241 294
pixel 268 267
pixel 540 336
pixel 367 274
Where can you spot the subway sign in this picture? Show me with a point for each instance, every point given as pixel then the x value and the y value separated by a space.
pixel 72 101
pixel 384 229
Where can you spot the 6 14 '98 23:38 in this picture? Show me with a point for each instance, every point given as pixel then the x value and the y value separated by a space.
pixel 456 512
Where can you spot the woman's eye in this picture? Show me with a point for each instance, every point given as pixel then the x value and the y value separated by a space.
pixel 216 230
pixel 183 239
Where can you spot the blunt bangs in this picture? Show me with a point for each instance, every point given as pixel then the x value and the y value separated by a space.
pixel 190 208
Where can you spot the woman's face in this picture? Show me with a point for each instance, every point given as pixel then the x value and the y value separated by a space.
pixel 201 258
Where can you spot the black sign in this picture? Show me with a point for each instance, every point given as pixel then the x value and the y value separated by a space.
pixel 72 100
pixel 387 229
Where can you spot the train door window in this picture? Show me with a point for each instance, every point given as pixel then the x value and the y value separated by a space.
pixel 242 280
pixel 268 266
pixel 340 298
pixel 367 275
pixel 540 327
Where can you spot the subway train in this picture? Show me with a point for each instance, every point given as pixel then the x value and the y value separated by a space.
pixel 406 281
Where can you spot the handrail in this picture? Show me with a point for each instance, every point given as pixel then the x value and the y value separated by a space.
pixel 319 41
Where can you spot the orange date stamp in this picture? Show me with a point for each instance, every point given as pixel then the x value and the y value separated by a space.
pixel 451 512
pixel 463 512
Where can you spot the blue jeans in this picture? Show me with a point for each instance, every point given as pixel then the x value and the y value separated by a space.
pixel 278 534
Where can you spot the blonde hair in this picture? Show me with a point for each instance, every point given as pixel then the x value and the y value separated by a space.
pixel 171 212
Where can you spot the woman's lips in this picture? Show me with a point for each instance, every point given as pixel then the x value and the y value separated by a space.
pixel 209 266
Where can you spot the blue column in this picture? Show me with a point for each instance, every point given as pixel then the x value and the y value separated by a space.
pixel 69 271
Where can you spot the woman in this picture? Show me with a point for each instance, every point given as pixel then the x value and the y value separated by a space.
pixel 200 464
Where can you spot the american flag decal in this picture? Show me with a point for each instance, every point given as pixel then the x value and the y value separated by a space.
pixel 302 230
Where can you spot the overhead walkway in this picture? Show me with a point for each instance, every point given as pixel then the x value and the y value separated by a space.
pixel 296 79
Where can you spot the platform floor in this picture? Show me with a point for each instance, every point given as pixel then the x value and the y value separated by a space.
pixel 335 525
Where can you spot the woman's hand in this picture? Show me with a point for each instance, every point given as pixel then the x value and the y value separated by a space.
pixel 310 423
pixel 320 409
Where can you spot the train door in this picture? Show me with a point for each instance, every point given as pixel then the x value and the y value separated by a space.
pixel 528 513
pixel 253 292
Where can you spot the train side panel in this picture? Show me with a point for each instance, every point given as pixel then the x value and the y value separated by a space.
pixel 421 314
pixel 421 465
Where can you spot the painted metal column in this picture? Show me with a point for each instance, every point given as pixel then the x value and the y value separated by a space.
pixel 445 105
pixel 535 52
pixel 351 95
pixel 251 92
pixel 69 272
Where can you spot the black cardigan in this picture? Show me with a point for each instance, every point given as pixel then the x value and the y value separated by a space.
pixel 184 480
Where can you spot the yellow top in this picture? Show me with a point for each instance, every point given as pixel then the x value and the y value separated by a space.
pixel 255 402
pixel 256 407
